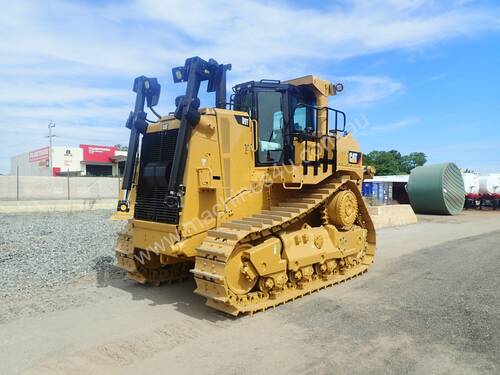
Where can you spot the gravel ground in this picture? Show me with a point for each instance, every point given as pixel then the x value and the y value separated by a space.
pixel 429 304
pixel 40 252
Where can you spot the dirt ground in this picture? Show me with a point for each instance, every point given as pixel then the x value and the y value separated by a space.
pixel 429 304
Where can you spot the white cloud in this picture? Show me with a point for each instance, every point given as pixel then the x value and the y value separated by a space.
pixel 40 93
pixel 251 32
pixel 362 91
pixel 148 34
pixel 368 129
pixel 74 62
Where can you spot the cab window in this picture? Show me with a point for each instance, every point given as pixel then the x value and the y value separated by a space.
pixel 304 118
pixel 243 102
pixel 300 119
pixel 270 120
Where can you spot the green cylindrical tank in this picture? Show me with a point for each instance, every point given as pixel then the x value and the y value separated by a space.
pixel 436 189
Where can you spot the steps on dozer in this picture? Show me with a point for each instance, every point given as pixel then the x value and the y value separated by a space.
pixel 220 240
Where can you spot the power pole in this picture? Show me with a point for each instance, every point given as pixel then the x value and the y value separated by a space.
pixel 50 136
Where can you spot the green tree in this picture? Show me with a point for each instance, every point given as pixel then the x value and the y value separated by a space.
pixel 385 162
pixel 121 147
pixel 415 159
pixel 396 155
pixel 393 163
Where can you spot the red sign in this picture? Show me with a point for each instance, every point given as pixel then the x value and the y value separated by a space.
pixel 40 154
pixel 99 154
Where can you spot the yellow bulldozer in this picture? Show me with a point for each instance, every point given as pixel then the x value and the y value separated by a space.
pixel 259 198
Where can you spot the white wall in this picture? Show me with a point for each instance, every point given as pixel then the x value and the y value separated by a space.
pixel 48 187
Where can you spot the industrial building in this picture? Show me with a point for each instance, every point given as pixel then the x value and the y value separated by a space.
pixel 85 160
pixel 479 190
pixel 387 189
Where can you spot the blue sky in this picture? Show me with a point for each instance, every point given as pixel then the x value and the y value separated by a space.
pixel 418 75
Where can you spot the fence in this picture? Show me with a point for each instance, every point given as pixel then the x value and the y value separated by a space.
pixel 52 188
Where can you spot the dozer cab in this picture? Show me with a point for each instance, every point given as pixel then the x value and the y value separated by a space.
pixel 259 198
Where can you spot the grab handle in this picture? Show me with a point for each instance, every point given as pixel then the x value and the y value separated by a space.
pixel 255 126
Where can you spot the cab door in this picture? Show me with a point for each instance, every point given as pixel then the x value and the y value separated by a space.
pixel 271 127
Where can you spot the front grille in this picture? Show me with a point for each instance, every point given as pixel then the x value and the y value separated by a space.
pixel 150 199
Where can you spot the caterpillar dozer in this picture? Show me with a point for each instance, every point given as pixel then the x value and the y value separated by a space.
pixel 258 199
